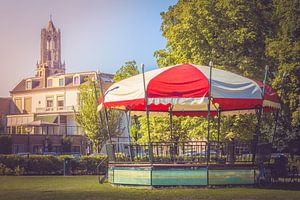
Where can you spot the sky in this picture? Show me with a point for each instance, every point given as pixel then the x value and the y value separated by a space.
pixel 95 34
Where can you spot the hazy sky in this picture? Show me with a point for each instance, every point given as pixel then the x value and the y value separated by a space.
pixel 96 34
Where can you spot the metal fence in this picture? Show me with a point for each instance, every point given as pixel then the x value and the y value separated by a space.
pixel 181 152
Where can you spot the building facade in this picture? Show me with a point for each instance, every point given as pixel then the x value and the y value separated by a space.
pixel 42 112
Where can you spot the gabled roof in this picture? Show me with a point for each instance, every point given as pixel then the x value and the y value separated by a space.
pixel 37 82
pixel 5 105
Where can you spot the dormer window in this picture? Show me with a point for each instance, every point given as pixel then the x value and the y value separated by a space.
pixel 49 83
pixel 61 82
pixel 28 85
pixel 76 80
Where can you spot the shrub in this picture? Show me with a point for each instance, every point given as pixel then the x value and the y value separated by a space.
pixel 5 144
pixel 19 171
pixel 50 165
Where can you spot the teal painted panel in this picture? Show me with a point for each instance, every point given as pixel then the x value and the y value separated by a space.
pixel 179 177
pixel 132 176
pixel 110 175
pixel 233 176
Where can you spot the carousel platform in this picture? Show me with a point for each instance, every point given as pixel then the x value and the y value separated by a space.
pixel 181 174
pixel 181 169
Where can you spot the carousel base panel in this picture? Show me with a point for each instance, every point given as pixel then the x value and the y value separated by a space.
pixel 180 175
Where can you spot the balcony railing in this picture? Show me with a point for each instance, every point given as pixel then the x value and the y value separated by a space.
pixel 54 130
pixel 57 109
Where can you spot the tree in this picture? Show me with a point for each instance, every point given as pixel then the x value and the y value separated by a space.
pixel 89 119
pixel 242 37
pixel 284 49
pixel 195 128
pixel 229 33
pixel 129 69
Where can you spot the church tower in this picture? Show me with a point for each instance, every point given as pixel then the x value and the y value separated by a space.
pixel 50 60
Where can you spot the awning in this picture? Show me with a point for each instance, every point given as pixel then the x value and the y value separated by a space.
pixel 49 118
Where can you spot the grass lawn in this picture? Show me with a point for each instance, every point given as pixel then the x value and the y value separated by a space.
pixel 87 188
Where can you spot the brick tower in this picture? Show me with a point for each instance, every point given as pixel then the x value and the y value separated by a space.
pixel 50 60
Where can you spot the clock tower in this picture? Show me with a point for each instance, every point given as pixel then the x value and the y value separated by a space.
pixel 50 55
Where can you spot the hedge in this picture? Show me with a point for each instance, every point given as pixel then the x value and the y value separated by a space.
pixel 51 165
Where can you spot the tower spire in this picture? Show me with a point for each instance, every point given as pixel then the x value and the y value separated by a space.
pixel 50 51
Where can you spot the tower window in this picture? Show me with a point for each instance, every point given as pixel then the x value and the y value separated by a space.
pixel 28 85
pixel 61 82
pixel 60 102
pixel 76 80
pixel 49 83
pixel 49 102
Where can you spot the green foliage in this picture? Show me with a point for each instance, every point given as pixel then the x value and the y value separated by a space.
pixel 242 37
pixel 19 171
pixel 5 144
pixel 229 33
pixel 284 49
pixel 195 128
pixel 50 165
pixel 129 69
pixel 89 119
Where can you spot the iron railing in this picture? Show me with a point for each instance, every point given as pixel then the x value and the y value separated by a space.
pixel 57 109
pixel 181 152
pixel 51 130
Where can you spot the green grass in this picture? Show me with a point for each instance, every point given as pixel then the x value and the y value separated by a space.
pixel 87 188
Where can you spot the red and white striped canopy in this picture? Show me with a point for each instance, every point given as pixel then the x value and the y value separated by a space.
pixel 185 89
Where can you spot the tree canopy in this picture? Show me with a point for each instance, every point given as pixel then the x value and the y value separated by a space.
pixel 242 37
pixel 230 33
pixel 129 69
pixel 89 119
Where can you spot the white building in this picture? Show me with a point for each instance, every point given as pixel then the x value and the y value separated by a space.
pixel 50 98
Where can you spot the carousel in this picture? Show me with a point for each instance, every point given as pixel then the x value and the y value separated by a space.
pixel 187 90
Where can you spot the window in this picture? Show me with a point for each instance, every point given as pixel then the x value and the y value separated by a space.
pixel 56 149
pixel 49 83
pixel 61 82
pixel 60 102
pixel 18 148
pixel 63 119
pixel 28 85
pixel 27 104
pixel 49 102
pixel 76 80
pixel 37 149
pixel 75 149
pixel 18 102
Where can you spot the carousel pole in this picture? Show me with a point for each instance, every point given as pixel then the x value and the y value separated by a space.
pixel 171 133
pixel 96 98
pixel 147 115
pixel 105 110
pixel 128 119
pixel 259 115
pixel 219 127
pixel 208 113
pixel 171 123
pixel 219 124
pixel 277 112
